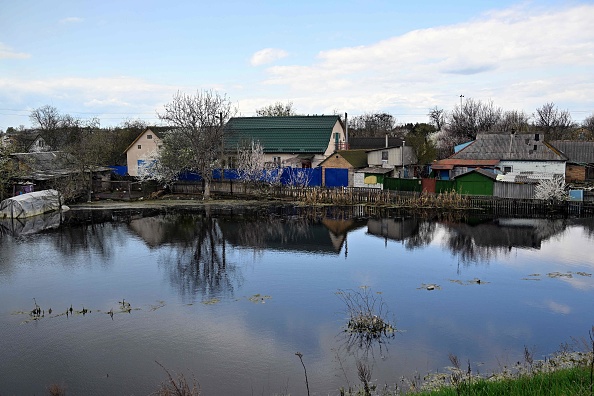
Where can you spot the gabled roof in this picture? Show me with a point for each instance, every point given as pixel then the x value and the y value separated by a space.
pixel 480 171
pixel 45 165
pixel 576 151
pixel 357 158
pixel 291 134
pixel 450 163
pixel 371 143
pixel 514 147
pixel 159 131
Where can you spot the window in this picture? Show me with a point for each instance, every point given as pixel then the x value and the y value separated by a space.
pixel 149 136
pixel 139 146
pixel 507 169
pixel 385 155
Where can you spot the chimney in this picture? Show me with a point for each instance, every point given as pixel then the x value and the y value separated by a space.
pixel 386 140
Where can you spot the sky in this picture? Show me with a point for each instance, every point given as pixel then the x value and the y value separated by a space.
pixel 124 60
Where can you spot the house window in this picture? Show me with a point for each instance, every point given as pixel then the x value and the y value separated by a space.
pixel 507 169
pixel 277 161
pixel 139 146
pixel 535 147
pixel 385 155
pixel 149 136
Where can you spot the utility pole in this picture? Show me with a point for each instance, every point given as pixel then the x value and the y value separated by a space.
pixel 461 96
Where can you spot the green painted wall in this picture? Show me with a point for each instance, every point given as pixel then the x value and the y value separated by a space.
pixel 474 184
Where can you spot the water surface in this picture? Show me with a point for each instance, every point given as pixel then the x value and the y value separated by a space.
pixel 229 300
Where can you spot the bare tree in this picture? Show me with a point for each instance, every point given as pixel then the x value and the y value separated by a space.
pixel 467 121
pixel 553 122
pixel 588 125
pixel 512 121
pixel 250 162
pixel 277 109
pixel 372 124
pixel 49 122
pixel 195 142
pixel 437 118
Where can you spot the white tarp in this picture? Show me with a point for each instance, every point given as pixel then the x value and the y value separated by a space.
pixel 31 204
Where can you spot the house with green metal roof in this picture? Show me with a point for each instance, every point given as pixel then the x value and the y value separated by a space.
pixel 297 141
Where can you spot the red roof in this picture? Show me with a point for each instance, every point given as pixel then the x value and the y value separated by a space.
pixel 450 163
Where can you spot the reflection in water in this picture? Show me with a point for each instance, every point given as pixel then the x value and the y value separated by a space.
pixel 196 258
pixel 180 258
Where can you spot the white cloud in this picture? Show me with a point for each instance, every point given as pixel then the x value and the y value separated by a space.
pixel 549 53
pixel 71 20
pixel 267 55
pixel 7 53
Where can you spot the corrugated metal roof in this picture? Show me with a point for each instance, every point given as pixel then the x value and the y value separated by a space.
pixel 515 147
pixel 580 152
pixel 293 134
pixel 483 172
pixel 371 143
pixel 450 163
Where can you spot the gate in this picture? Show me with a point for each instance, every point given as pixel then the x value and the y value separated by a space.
pixel 337 177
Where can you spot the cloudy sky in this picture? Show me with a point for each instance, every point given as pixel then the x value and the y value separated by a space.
pixel 120 60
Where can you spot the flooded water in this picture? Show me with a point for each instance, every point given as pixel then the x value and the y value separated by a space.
pixel 230 300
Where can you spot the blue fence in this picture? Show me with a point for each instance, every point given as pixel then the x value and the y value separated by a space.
pixel 290 176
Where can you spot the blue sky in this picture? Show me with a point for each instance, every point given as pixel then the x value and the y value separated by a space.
pixel 120 60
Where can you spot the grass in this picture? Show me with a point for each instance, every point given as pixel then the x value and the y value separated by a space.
pixel 574 381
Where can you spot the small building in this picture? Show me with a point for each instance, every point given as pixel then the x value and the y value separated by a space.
pixel 476 182
pixel 580 162
pixel 398 159
pixel 371 177
pixel 339 168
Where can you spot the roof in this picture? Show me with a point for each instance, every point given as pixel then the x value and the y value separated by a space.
pixel 377 171
pixel 370 143
pixel 291 134
pixel 525 177
pixel 159 131
pixel 480 171
pixel 576 151
pixel 514 147
pixel 450 163
pixel 357 158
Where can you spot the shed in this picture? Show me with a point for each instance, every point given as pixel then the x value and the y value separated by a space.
pixel 31 204
pixel 476 182
pixel 371 177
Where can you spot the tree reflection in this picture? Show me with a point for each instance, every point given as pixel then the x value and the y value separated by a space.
pixel 198 264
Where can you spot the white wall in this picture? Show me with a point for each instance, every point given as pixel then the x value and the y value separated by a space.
pixel 555 167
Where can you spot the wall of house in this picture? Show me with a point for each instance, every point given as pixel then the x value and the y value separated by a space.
pixel 574 172
pixel 147 147
pixel 331 144
pixel 554 167
pixel 374 158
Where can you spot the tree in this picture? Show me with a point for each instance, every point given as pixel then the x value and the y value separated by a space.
pixel 512 121
pixel 554 123
pixel 277 109
pixel 588 125
pixel 372 124
pixel 8 171
pixel 195 142
pixel 437 118
pixel 551 189
pixel 420 137
pixel 465 122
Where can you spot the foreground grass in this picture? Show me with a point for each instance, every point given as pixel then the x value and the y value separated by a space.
pixel 574 381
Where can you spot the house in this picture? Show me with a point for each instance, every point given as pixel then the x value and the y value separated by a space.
pixel 338 169
pixel 580 163
pixel 29 141
pixel 297 141
pixel 503 153
pixel 143 148
pixel 399 159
